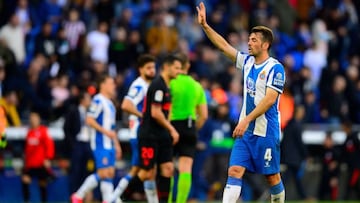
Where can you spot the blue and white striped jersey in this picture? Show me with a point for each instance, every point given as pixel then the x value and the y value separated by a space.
pixel 257 77
pixel 136 95
pixel 103 111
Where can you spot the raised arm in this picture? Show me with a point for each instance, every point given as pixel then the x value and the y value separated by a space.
pixel 214 37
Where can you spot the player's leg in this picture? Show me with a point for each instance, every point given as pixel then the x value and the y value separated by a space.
pixel 124 181
pixel 186 148
pixel 184 180
pixel 106 183
pixel 267 161
pixel 92 180
pixel 148 177
pixel 26 181
pixel 277 189
pixel 147 173
pixel 239 159
pixel 166 167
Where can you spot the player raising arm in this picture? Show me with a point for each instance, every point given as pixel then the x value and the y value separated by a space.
pixel 257 134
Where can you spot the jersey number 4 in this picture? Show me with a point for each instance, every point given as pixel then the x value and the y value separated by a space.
pixel 267 155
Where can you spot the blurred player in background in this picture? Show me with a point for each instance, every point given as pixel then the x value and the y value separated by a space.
pixel 257 143
pixel 188 114
pixel 157 135
pixel 133 104
pixel 39 150
pixel 3 123
pixel 101 117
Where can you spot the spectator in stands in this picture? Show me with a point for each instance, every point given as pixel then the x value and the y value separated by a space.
pixel 352 77
pixel 337 107
pixel 45 41
pixel 74 29
pixel 24 14
pixel 39 150
pixel 118 50
pixel 75 32
pixel 220 144
pixel 329 183
pixel 105 11
pixel 286 107
pixel 97 42
pixel 9 103
pixel 294 151
pixel 162 38
pixel 2 76
pixel 350 155
pixel 14 38
pixel 77 141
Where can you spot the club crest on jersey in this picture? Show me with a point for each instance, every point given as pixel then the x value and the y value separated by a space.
pixel 262 75
pixel 250 87
pixel 159 95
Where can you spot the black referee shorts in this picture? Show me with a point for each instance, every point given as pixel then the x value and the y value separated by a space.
pixel 188 138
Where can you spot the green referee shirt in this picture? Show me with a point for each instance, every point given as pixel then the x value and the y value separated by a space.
pixel 186 94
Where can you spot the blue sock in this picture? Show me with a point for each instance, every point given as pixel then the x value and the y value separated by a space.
pixel 276 189
pixel 234 181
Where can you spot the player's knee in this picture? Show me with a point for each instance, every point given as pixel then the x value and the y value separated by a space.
pixel 167 169
pixel 273 179
pixel 236 171
pixel 110 173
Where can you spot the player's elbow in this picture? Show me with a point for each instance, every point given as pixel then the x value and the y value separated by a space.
pixel 125 105
pixel 155 114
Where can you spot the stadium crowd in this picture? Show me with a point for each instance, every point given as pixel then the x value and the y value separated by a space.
pixel 52 50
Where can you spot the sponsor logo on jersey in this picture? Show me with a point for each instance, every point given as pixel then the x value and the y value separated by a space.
pixel 278 80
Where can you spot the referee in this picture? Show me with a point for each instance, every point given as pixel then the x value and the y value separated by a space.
pixel 188 114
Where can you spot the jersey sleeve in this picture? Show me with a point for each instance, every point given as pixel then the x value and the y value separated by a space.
pixel 95 108
pixel 135 94
pixel 276 78
pixel 241 59
pixel 156 95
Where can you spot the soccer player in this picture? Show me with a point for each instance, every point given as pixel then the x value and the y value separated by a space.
pixel 188 113
pixel 257 143
pixel 3 123
pixel 39 150
pixel 133 104
pixel 157 135
pixel 104 143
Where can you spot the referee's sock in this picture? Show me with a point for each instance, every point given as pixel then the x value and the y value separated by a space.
pixel 232 190
pixel 183 187
pixel 163 188
pixel 277 193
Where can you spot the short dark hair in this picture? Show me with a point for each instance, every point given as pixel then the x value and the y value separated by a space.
pixel 170 59
pixel 144 59
pixel 266 32
pixel 101 79
pixel 184 59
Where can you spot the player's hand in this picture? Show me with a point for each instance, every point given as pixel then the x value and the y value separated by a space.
pixel 201 14
pixel 175 136
pixel 111 134
pixel 240 128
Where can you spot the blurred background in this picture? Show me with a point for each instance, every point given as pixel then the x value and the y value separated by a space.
pixel 51 52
